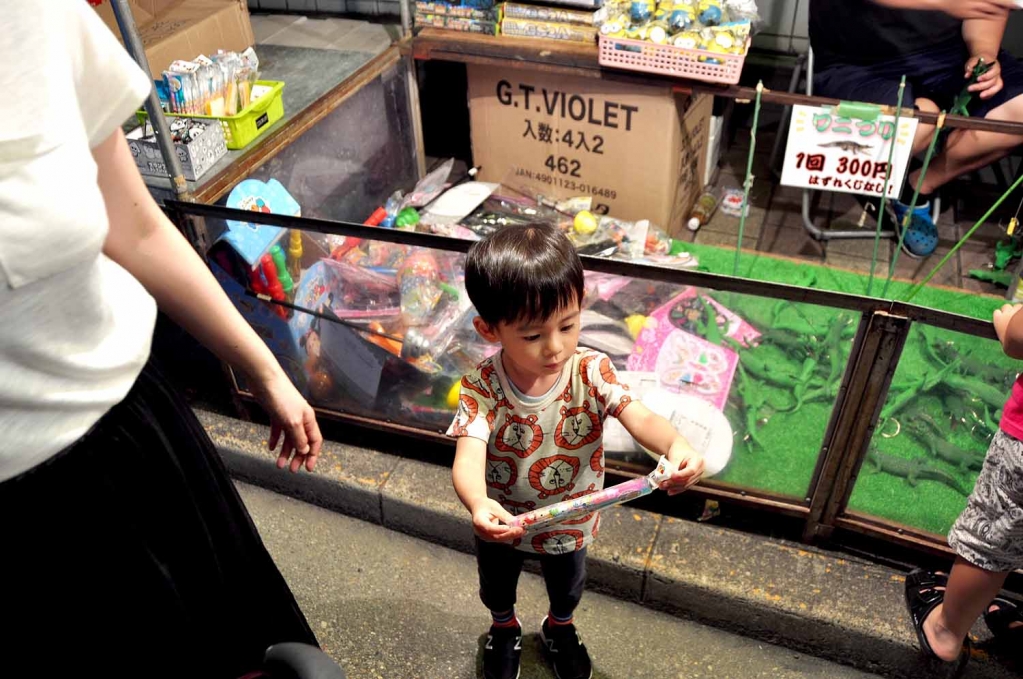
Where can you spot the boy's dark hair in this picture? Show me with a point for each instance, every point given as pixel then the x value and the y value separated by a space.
pixel 523 273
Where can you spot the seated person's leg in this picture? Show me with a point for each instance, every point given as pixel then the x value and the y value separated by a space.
pixel 869 84
pixel 968 150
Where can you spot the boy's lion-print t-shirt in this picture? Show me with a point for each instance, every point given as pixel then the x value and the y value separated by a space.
pixel 540 454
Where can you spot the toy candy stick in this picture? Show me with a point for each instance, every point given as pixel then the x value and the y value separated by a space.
pixel 615 495
pixel 259 286
pixel 280 263
pixel 274 288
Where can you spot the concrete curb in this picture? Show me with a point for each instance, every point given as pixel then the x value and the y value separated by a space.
pixel 802 597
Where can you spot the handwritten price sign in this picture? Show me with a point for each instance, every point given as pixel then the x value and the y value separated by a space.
pixel 832 153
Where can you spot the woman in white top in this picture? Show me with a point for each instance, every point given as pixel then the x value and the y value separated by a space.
pixel 124 546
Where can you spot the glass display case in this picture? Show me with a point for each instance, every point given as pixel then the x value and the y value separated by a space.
pixel 849 412
pixel 932 433
pixel 384 331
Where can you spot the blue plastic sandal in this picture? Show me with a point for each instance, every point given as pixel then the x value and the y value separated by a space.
pixel 921 236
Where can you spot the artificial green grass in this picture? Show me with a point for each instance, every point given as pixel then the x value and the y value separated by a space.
pixel 791 441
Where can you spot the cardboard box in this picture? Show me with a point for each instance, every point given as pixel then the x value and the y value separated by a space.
pixel 197 155
pixel 640 151
pixel 457 23
pixel 183 29
pixel 547 30
pixel 558 15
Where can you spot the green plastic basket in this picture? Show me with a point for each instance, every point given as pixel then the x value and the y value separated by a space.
pixel 241 129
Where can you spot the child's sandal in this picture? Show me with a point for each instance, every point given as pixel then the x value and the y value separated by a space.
pixel 1001 619
pixel 922 597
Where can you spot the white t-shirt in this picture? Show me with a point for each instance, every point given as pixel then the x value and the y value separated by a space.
pixel 75 328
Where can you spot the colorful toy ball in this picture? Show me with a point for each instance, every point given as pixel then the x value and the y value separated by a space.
pixel 585 223
pixel 321 385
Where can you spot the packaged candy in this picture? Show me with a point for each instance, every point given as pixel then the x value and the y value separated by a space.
pixel 639 32
pixel 361 293
pixel 687 40
pixel 657 33
pixel 725 39
pixel 615 27
pixel 407 219
pixel 742 10
pixel 567 510
pixel 430 186
pixel 640 11
pixel 392 207
pixel 424 344
pixel 709 12
pixel 732 36
pixel 681 17
pixel 575 204
pixel 419 286
pixel 716 47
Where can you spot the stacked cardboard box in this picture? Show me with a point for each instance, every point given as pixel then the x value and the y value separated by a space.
pixel 638 150
pixel 468 16
pixel 180 29
pixel 575 21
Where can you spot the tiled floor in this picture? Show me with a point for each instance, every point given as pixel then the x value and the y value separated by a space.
pixel 330 33
pixel 775 225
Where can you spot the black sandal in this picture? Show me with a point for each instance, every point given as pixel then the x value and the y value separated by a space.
pixel 999 621
pixel 922 597
pixel 921 579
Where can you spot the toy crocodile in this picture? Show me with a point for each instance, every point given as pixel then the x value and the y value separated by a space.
pixel 928 434
pixel 849 147
pixel 991 396
pixel 912 389
pixel 913 471
pixel 943 353
pixel 749 402
pixel 792 343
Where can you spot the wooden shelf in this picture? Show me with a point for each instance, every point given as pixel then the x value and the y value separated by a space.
pixel 578 59
pixel 548 56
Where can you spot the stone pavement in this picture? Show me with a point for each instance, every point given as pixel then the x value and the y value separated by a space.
pixel 386 605
pixel 805 598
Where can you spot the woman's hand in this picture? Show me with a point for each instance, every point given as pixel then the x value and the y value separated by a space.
pixel 291 416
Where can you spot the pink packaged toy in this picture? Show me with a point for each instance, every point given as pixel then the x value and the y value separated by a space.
pixel 685 362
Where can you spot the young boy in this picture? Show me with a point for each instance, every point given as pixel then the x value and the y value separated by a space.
pixel 529 429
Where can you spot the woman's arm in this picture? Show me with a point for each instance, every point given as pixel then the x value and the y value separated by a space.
pixel 143 241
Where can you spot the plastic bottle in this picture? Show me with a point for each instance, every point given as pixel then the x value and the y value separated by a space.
pixel 703 209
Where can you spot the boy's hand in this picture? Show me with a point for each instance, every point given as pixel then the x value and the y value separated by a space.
pixel 1002 318
pixel 490 519
pixel 690 467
